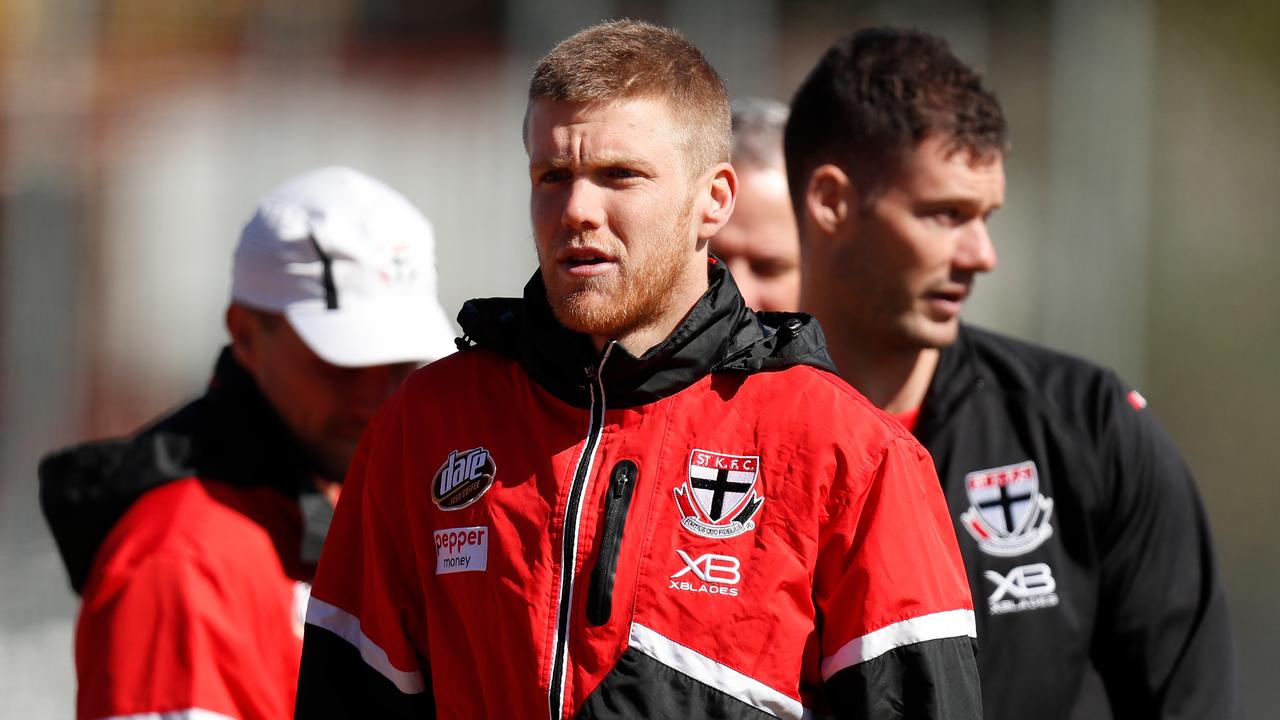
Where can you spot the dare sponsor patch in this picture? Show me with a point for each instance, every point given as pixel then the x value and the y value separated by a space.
pixel 464 477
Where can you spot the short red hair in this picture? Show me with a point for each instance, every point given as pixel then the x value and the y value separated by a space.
pixel 631 59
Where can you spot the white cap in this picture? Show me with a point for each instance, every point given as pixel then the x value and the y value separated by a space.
pixel 351 264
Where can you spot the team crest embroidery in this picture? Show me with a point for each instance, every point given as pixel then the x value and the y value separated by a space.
pixel 1007 514
pixel 463 478
pixel 719 498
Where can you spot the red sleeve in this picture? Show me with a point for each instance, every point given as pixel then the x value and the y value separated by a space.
pixel 365 645
pixel 896 615
pixel 158 641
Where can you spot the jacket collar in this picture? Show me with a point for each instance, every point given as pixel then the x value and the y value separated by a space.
pixel 244 441
pixel 954 381
pixel 230 434
pixel 719 334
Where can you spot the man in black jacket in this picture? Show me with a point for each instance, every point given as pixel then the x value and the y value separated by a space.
pixel 1087 549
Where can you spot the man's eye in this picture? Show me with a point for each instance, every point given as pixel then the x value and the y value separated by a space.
pixel 947 216
pixel 553 176
pixel 621 173
pixel 771 268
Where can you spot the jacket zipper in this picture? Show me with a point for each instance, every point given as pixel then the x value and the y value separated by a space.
pixel 570 523
pixel 600 593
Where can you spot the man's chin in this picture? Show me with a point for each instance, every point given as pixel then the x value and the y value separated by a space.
pixel 331 463
pixel 590 313
pixel 934 334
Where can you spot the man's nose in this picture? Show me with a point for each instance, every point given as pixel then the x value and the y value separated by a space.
pixel 976 252
pixel 583 206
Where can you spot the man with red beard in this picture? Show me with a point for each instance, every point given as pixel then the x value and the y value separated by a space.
pixel 632 496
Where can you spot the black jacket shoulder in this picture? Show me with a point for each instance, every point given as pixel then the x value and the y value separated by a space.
pixel 230 434
pixel 1077 392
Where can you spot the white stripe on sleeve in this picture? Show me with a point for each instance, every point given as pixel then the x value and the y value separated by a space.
pixel 936 626
pixel 347 626
pixel 188 714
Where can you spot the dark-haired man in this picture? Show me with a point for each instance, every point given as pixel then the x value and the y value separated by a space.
pixel 193 543
pixel 633 496
pixel 1087 549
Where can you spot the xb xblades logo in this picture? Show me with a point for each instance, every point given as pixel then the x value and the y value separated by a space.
pixel 1026 587
pixel 711 574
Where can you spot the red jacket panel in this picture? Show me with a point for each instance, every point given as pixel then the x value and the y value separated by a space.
pixel 188 607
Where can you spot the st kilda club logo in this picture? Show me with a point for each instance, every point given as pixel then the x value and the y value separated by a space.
pixel 1007 515
pixel 719 498
pixel 463 478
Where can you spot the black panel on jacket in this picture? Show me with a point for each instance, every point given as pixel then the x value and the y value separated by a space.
pixel 351 689
pixel 640 687
pixel 934 679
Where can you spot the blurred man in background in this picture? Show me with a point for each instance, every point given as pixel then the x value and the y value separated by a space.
pixel 619 501
pixel 193 543
pixel 759 243
pixel 1087 549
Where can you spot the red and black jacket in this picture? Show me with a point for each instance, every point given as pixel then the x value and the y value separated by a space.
pixel 191 543
pixel 719 528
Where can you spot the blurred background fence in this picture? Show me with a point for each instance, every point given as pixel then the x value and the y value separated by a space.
pixel 135 137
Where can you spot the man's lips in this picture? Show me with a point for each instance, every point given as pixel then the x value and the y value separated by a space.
pixel 947 301
pixel 585 262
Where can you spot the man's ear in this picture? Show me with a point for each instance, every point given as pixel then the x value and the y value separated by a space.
pixel 830 200
pixel 717 200
pixel 243 328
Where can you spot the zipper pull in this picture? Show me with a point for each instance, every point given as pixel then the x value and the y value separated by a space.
pixel 621 479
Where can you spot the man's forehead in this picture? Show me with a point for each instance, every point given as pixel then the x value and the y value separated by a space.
pixel 630 133
pixel 938 163
pixel 643 114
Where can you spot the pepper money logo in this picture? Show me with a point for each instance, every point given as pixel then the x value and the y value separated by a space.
pixel 463 478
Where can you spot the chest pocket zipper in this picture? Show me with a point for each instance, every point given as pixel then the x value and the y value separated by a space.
pixel 622 482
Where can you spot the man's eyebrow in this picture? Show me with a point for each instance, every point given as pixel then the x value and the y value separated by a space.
pixel 956 199
pixel 600 160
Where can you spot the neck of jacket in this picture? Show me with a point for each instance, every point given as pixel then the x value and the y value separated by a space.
pixel 719 334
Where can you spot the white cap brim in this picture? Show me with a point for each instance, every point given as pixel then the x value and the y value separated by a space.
pixel 375 334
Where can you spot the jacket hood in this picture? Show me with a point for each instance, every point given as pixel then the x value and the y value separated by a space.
pixel 231 434
pixel 718 335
